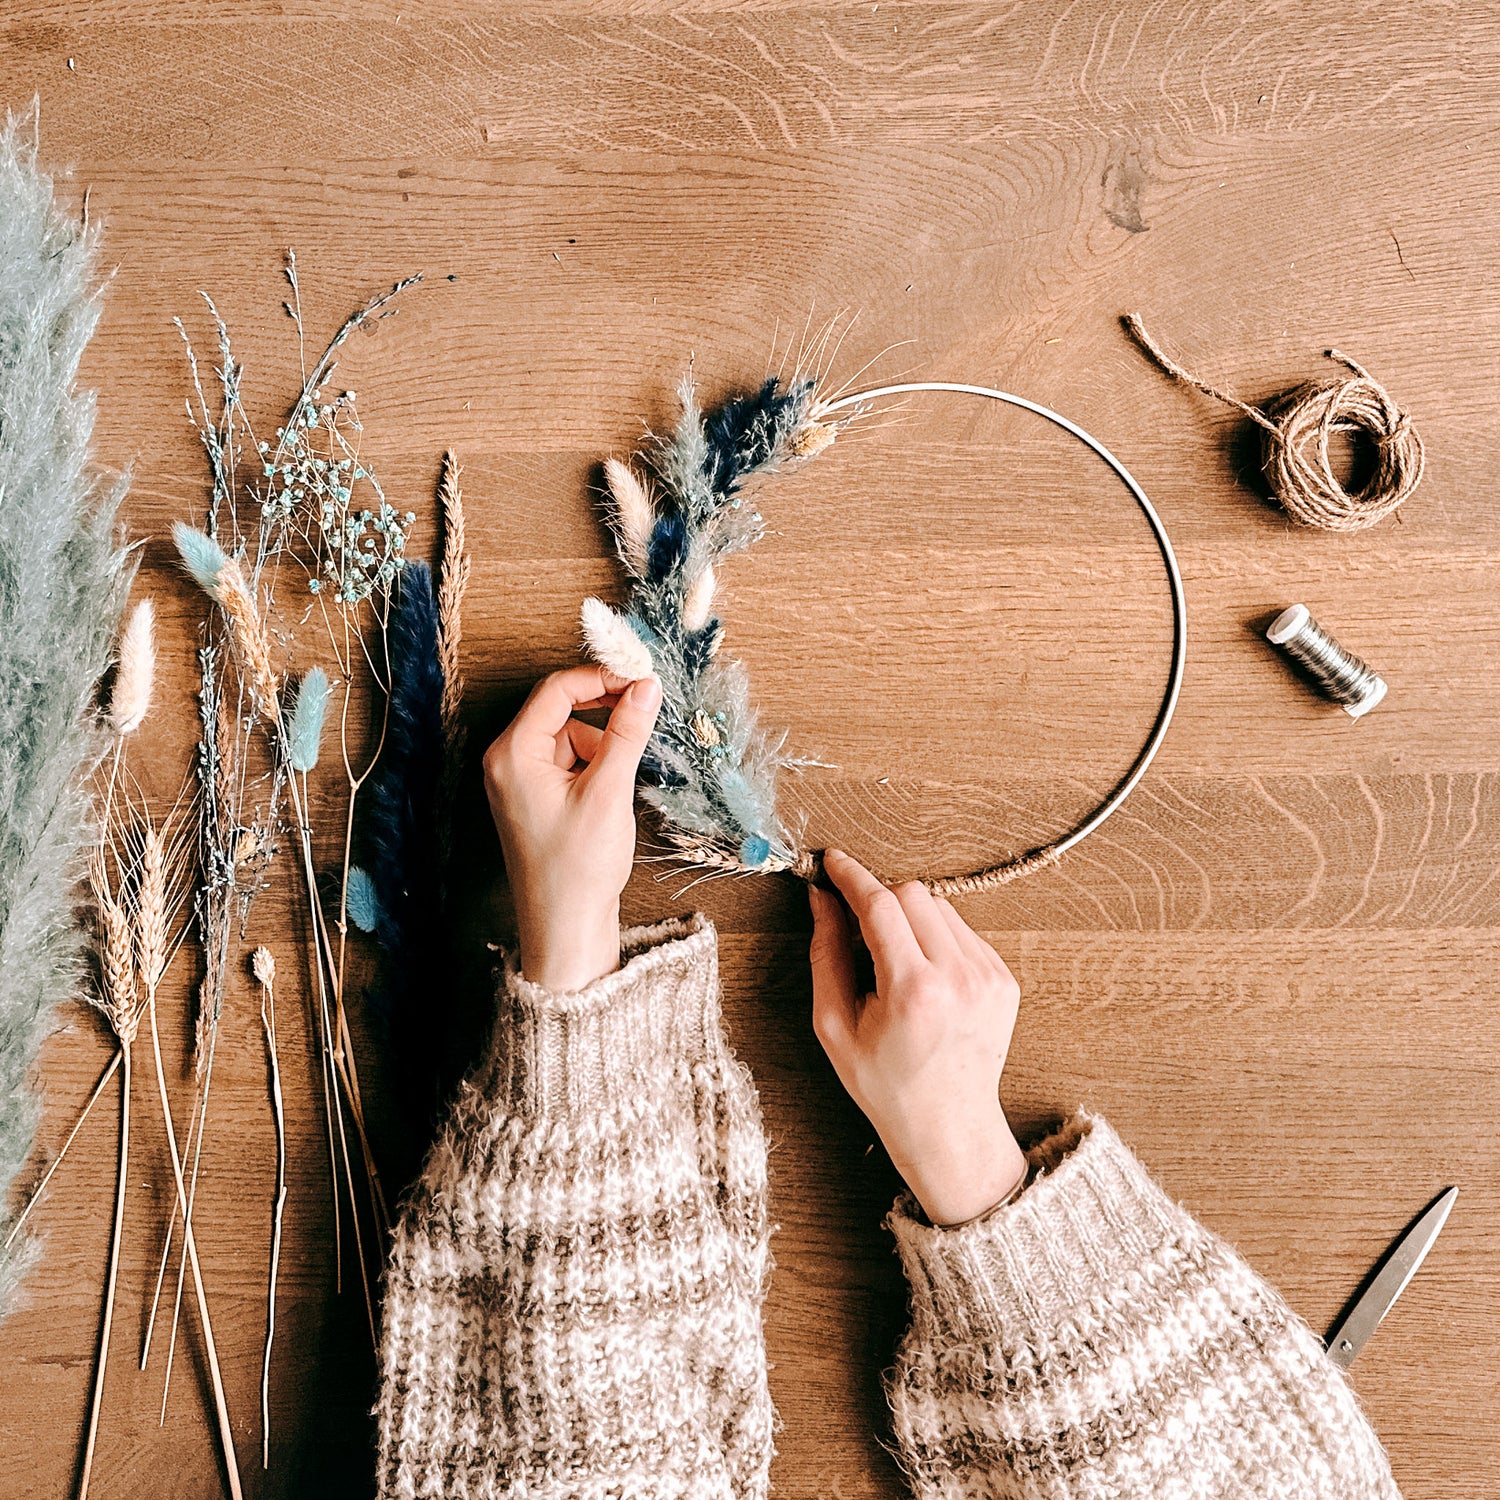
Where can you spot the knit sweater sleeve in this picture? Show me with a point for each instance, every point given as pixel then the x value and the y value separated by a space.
pixel 1093 1340
pixel 573 1299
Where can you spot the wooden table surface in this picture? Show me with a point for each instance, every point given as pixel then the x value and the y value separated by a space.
pixel 1275 970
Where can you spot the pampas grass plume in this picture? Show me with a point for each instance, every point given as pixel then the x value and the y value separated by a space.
pixel 63 581
pixel 615 646
pixel 632 513
pixel 136 673
pixel 304 730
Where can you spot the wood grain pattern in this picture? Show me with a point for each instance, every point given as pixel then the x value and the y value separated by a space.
pixel 1274 970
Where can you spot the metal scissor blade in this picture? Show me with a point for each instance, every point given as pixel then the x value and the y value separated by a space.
pixel 1400 1265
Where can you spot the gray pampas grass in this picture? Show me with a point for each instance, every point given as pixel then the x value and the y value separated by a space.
pixel 709 770
pixel 62 587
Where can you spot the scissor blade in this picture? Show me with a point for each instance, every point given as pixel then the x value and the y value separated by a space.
pixel 1380 1296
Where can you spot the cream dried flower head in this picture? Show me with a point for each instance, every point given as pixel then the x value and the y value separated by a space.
pixel 263 966
pixel 135 676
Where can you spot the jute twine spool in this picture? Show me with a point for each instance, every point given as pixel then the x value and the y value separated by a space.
pixel 1294 442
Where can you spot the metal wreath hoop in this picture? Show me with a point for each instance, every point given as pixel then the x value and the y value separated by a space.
pixel 1048 854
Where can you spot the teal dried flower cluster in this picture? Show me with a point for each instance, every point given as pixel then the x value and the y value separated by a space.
pixel 359 550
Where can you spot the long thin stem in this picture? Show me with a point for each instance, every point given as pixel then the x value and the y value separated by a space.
pixel 166 1256
pixel 268 1021
pixel 226 1432
pixel 36 1193
pixel 109 790
pixel 336 1117
pixel 345 1041
pixel 192 1198
pixel 325 1050
pixel 340 1043
pixel 96 1404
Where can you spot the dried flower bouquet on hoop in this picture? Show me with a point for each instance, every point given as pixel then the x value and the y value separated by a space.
pixel 709 769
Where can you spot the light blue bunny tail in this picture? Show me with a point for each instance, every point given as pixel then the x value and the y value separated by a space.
pixel 361 901
pixel 201 555
pixel 304 730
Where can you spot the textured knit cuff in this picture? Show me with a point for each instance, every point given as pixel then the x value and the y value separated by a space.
pixel 578 1052
pixel 1090 1217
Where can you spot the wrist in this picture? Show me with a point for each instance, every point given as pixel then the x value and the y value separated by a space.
pixel 959 1179
pixel 567 950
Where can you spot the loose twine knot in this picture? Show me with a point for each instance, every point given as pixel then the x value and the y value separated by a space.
pixel 1294 442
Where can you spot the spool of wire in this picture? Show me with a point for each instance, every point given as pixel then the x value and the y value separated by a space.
pixel 1336 673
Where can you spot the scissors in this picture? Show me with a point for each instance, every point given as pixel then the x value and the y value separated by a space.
pixel 1393 1272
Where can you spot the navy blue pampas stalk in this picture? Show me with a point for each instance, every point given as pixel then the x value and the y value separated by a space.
pixel 401 841
pixel 745 433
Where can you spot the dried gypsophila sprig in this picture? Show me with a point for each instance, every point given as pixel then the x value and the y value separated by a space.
pixel 708 770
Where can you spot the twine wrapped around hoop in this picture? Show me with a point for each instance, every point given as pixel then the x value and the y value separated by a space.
pixel 807 865
pixel 1294 442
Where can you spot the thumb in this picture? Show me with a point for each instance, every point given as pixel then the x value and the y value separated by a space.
pixel 626 735
pixel 835 993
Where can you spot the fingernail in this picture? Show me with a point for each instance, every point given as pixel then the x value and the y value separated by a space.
pixel 833 854
pixel 646 692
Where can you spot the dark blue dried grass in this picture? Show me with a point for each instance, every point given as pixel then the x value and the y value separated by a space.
pixel 748 432
pixel 402 843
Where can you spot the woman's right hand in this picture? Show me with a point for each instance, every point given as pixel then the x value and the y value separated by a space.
pixel 922 1054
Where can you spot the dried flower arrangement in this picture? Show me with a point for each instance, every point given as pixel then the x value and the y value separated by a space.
pixel 312 511
pixel 319 512
pixel 709 770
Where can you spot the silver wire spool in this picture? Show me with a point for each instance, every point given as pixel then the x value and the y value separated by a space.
pixel 1336 673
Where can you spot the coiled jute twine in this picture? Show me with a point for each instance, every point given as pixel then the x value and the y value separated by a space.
pixel 1295 431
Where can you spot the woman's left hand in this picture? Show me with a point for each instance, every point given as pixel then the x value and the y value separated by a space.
pixel 563 797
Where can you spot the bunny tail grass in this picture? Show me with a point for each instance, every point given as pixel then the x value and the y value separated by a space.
pixel 130 698
pixel 612 643
pixel 304 730
pixel 63 580
pixel 201 555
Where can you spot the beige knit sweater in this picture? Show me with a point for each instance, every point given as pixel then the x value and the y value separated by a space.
pixel 573 1303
